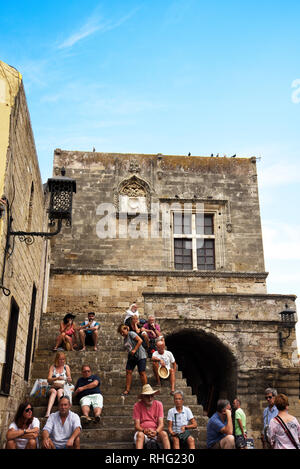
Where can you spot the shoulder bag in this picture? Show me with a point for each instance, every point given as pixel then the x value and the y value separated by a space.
pixel 287 431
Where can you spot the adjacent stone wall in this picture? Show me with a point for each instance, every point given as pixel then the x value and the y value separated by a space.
pixel 25 265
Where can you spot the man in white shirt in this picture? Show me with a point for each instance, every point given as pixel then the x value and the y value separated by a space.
pixel 162 357
pixel 180 421
pixel 62 429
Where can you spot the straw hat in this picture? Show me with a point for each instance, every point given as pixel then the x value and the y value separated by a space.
pixel 147 390
pixel 163 372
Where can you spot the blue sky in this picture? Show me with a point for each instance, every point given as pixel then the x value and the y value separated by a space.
pixel 171 77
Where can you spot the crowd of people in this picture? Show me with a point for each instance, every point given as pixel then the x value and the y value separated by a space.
pixel 226 428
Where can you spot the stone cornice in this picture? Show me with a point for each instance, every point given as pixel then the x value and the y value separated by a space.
pixel 156 273
pixel 267 296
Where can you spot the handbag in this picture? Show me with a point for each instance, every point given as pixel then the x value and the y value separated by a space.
pixel 287 431
pixel 58 384
pixel 40 388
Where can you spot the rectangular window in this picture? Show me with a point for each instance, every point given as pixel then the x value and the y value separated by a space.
pixel 10 347
pixel 194 241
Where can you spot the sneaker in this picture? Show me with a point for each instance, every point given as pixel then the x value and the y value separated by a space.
pixel 97 419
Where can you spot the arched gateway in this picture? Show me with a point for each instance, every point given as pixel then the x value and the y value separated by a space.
pixel 207 364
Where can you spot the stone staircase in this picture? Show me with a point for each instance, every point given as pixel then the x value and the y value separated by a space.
pixel 116 429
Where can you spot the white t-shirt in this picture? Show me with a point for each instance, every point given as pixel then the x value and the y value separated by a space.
pixel 60 433
pixel 22 442
pixel 167 357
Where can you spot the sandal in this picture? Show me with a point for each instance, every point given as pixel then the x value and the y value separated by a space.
pixel 172 393
pixel 125 393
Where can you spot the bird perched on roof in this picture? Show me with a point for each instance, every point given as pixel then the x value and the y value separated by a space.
pixel 217 155
pixel 212 155
pixel 94 149
pixel 189 154
pixel 233 156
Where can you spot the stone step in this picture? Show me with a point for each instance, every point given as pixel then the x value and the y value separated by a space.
pixel 116 434
pixel 117 385
pixel 121 422
pixel 117 412
pixel 108 445
pixel 117 399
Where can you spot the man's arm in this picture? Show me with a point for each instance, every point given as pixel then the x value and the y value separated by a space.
pixel 91 385
pixel 46 442
pixel 75 434
pixel 228 429
pixel 241 427
pixel 170 428
pixel 160 425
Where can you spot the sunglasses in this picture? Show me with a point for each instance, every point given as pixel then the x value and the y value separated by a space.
pixel 269 397
pixel 29 409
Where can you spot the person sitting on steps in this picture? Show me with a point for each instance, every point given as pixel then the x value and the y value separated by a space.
pixel 165 358
pixel 59 374
pixel 67 335
pixel 88 332
pixel 87 389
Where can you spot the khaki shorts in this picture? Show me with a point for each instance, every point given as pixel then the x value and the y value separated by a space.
pixel 95 400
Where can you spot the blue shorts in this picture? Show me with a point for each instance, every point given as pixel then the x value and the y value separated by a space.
pixel 132 363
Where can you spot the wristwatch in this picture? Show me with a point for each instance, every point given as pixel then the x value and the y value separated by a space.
pixel 24 431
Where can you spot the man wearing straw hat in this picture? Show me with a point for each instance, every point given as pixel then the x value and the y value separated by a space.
pixel 148 416
pixel 164 365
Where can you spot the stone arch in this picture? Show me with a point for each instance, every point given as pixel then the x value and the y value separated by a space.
pixel 206 363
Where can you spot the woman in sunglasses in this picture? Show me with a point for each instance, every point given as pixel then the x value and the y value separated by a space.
pixel 23 432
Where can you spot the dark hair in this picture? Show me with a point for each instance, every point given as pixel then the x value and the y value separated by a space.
pixel 281 401
pixel 221 404
pixel 91 312
pixel 121 327
pixel 19 418
pixel 67 317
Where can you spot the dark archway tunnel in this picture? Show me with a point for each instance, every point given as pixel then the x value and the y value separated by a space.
pixel 207 364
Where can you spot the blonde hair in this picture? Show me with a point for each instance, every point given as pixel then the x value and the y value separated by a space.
pixel 58 356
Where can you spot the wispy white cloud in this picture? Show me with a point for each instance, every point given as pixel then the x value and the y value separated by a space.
pixel 94 24
pixel 281 241
pixel 279 174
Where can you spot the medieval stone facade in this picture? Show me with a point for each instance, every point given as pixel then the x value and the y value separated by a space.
pixel 201 274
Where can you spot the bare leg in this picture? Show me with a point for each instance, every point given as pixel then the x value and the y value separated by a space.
pixel 172 380
pixel 155 372
pixel 191 442
pixel 143 377
pixel 11 444
pixel 163 437
pixel 139 442
pixel 85 410
pixel 128 380
pixel 51 400
pixel 82 339
pixel 31 444
pixel 176 443
pixel 95 339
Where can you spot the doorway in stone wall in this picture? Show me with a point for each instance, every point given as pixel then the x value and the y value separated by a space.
pixel 207 364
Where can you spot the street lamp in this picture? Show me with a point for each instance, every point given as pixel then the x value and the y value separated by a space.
pixel 287 321
pixel 61 190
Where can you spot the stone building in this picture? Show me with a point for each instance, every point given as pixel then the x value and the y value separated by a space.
pixel 181 236
pixel 22 266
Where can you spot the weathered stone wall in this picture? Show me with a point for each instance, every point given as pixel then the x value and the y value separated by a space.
pixel 25 265
pixel 105 291
pixel 227 186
